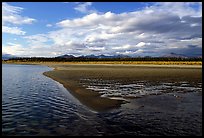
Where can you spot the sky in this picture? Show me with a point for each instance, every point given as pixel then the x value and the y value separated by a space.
pixel 50 29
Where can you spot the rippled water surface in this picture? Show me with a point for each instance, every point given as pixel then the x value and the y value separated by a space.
pixel 137 89
pixel 33 104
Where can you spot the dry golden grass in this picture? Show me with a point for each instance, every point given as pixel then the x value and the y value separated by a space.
pixel 117 62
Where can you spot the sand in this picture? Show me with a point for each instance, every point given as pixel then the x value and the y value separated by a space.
pixel 70 75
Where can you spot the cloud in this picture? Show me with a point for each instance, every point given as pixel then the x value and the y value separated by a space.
pixel 153 28
pixel 152 31
pixel 41 38
pixel 84 7
pixel 127 46
pixel 31 50
pixel 141 44
pixel 48 25
pixel 12 30
pixel 11 15
pixel 177 8
pixel 14 49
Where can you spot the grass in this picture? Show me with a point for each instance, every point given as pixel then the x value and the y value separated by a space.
pixel 116 62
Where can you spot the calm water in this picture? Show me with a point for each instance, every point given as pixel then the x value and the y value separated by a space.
pixel 33 104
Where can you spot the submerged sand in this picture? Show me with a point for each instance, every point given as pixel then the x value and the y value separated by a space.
pixel 70 76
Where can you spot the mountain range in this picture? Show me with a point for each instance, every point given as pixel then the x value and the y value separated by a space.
pixel 8 56
pixel 175 55
pixel 94 56
pixel 171 55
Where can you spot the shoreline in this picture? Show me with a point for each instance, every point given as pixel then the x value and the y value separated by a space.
pixel 69 76
pixel 88 98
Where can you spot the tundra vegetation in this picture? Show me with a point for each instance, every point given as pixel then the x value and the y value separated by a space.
pixel 85 60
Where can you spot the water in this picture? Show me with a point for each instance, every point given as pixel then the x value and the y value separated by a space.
pixel 137 89
pixel 33 104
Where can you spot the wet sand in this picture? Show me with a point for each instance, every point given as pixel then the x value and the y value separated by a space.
pixel 70 75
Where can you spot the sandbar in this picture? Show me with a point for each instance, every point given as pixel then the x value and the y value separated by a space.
pixel 70 76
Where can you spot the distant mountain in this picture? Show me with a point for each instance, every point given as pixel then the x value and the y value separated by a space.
pixel 175 55
pixel 7 56
pixel 104 56
pixel 121 56
pixel 66 56
pixel 171 55
pixel 88 56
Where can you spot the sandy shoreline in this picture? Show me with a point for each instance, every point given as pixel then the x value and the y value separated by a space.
pixel 70 76
pixel 86 97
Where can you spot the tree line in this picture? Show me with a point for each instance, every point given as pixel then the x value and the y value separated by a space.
pixel 84 59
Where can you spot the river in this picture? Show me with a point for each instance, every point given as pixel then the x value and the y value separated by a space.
pixel 33 104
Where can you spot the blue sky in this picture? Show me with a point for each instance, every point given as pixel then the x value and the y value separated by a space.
pixel 131 28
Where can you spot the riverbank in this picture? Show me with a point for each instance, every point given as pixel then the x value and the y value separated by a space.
pixel 142 63
pixel 72 76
